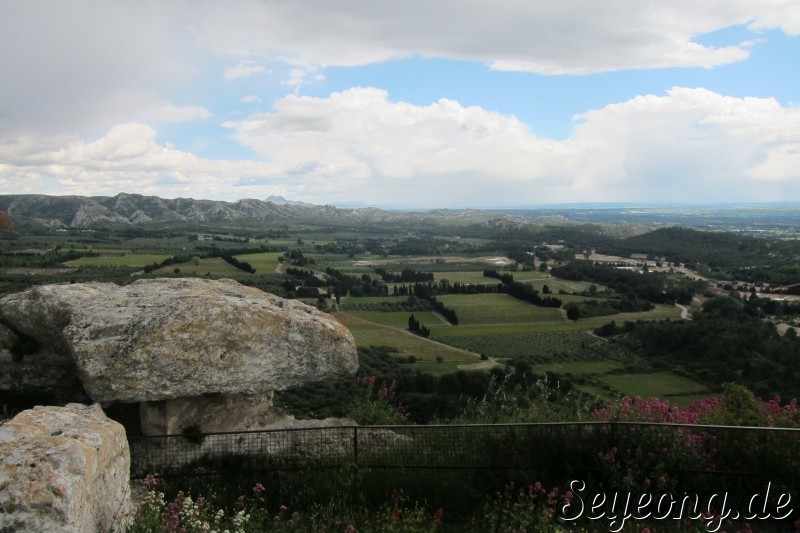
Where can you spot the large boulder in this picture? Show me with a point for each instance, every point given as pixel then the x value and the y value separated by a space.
pixel 162 339
pixel 211 413
pixel 43 312
pixel 29 372
pixel 63 469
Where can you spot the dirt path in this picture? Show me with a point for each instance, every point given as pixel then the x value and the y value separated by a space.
pixel 684 311
pixel 483 365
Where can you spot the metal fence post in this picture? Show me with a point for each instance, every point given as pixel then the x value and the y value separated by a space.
pixel 355 446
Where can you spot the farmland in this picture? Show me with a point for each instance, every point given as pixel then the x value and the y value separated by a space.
pixel 340 268
pixel 130 259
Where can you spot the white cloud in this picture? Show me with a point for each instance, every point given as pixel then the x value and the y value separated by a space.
pixel 691 145
pixel 571 36
pixel 243 70
pixel 83 64
pixel 251 99
pixel 127 158
pixel 688 145
pixel 303 76
pixel 359 135
pixel 167 112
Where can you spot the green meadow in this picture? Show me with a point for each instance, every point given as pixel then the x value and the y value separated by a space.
pixel 400 319
pixel 658 384
pixel 214 266
pixel 497 309
pixel 132 260
pixel 263 262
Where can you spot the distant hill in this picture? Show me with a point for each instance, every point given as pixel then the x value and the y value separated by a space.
pixel 280 200
pixel 81 212
pixel 128 209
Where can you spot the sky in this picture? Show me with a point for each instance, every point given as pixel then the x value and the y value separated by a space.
pixel 413 104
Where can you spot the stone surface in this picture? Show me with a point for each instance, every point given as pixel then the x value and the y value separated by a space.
pixel 63 469
pixel 7 340
pixel 162 339
pixel 209 414
pixel 36 374
pixel 42 313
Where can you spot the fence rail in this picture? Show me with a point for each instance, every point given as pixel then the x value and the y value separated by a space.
pixel 558 450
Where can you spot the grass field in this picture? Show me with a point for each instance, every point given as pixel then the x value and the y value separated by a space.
pixel 373 299
pixel 577 367
pixel 658 384
pixel 497 309
pixel 371 334
pixel 537 279
pixel 400 320
pixel 535 347
pixel 134 260
pixel 464 276
pixel 262 262
pixel 214 266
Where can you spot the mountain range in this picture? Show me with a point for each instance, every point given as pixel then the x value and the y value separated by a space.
pixel 131 209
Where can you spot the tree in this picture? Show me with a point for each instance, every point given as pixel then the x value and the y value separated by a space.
pixel 573 313
pixel 725 306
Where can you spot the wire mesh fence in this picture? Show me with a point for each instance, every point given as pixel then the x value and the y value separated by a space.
pixel 462 467
pixel 549 449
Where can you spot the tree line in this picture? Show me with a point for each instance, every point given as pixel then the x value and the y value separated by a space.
pixel 415 326
pixel 405 275
pixel 655 287
pixel 522 291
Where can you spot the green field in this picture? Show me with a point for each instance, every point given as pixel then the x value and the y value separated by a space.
pixel 400 320
pixel 133 260
pixel 373 299
pixel 577 367
pixel 497 309
pixel 509 329
pixel 215 266
pixel 370 334
pixel 537 279
pixel 535 347
pixel 262 262
pixel 530 276
pixel 470 276
pixel 658 384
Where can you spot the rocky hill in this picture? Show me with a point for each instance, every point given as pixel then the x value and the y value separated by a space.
pixel 127 209
pixel 81 211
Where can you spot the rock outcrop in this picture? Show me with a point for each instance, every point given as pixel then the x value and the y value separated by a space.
pixel 47 376
pixel 209 414
pixel 162 339
pixel 63 469
pixel 191 350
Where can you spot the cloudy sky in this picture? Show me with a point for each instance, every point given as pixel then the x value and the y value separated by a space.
pixel 403 104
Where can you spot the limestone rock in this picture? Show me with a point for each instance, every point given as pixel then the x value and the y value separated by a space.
pixel 7 340
pixel 33 367
pixel 209 414
pixel 161 339
pixel 42 313
pixel 63 469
